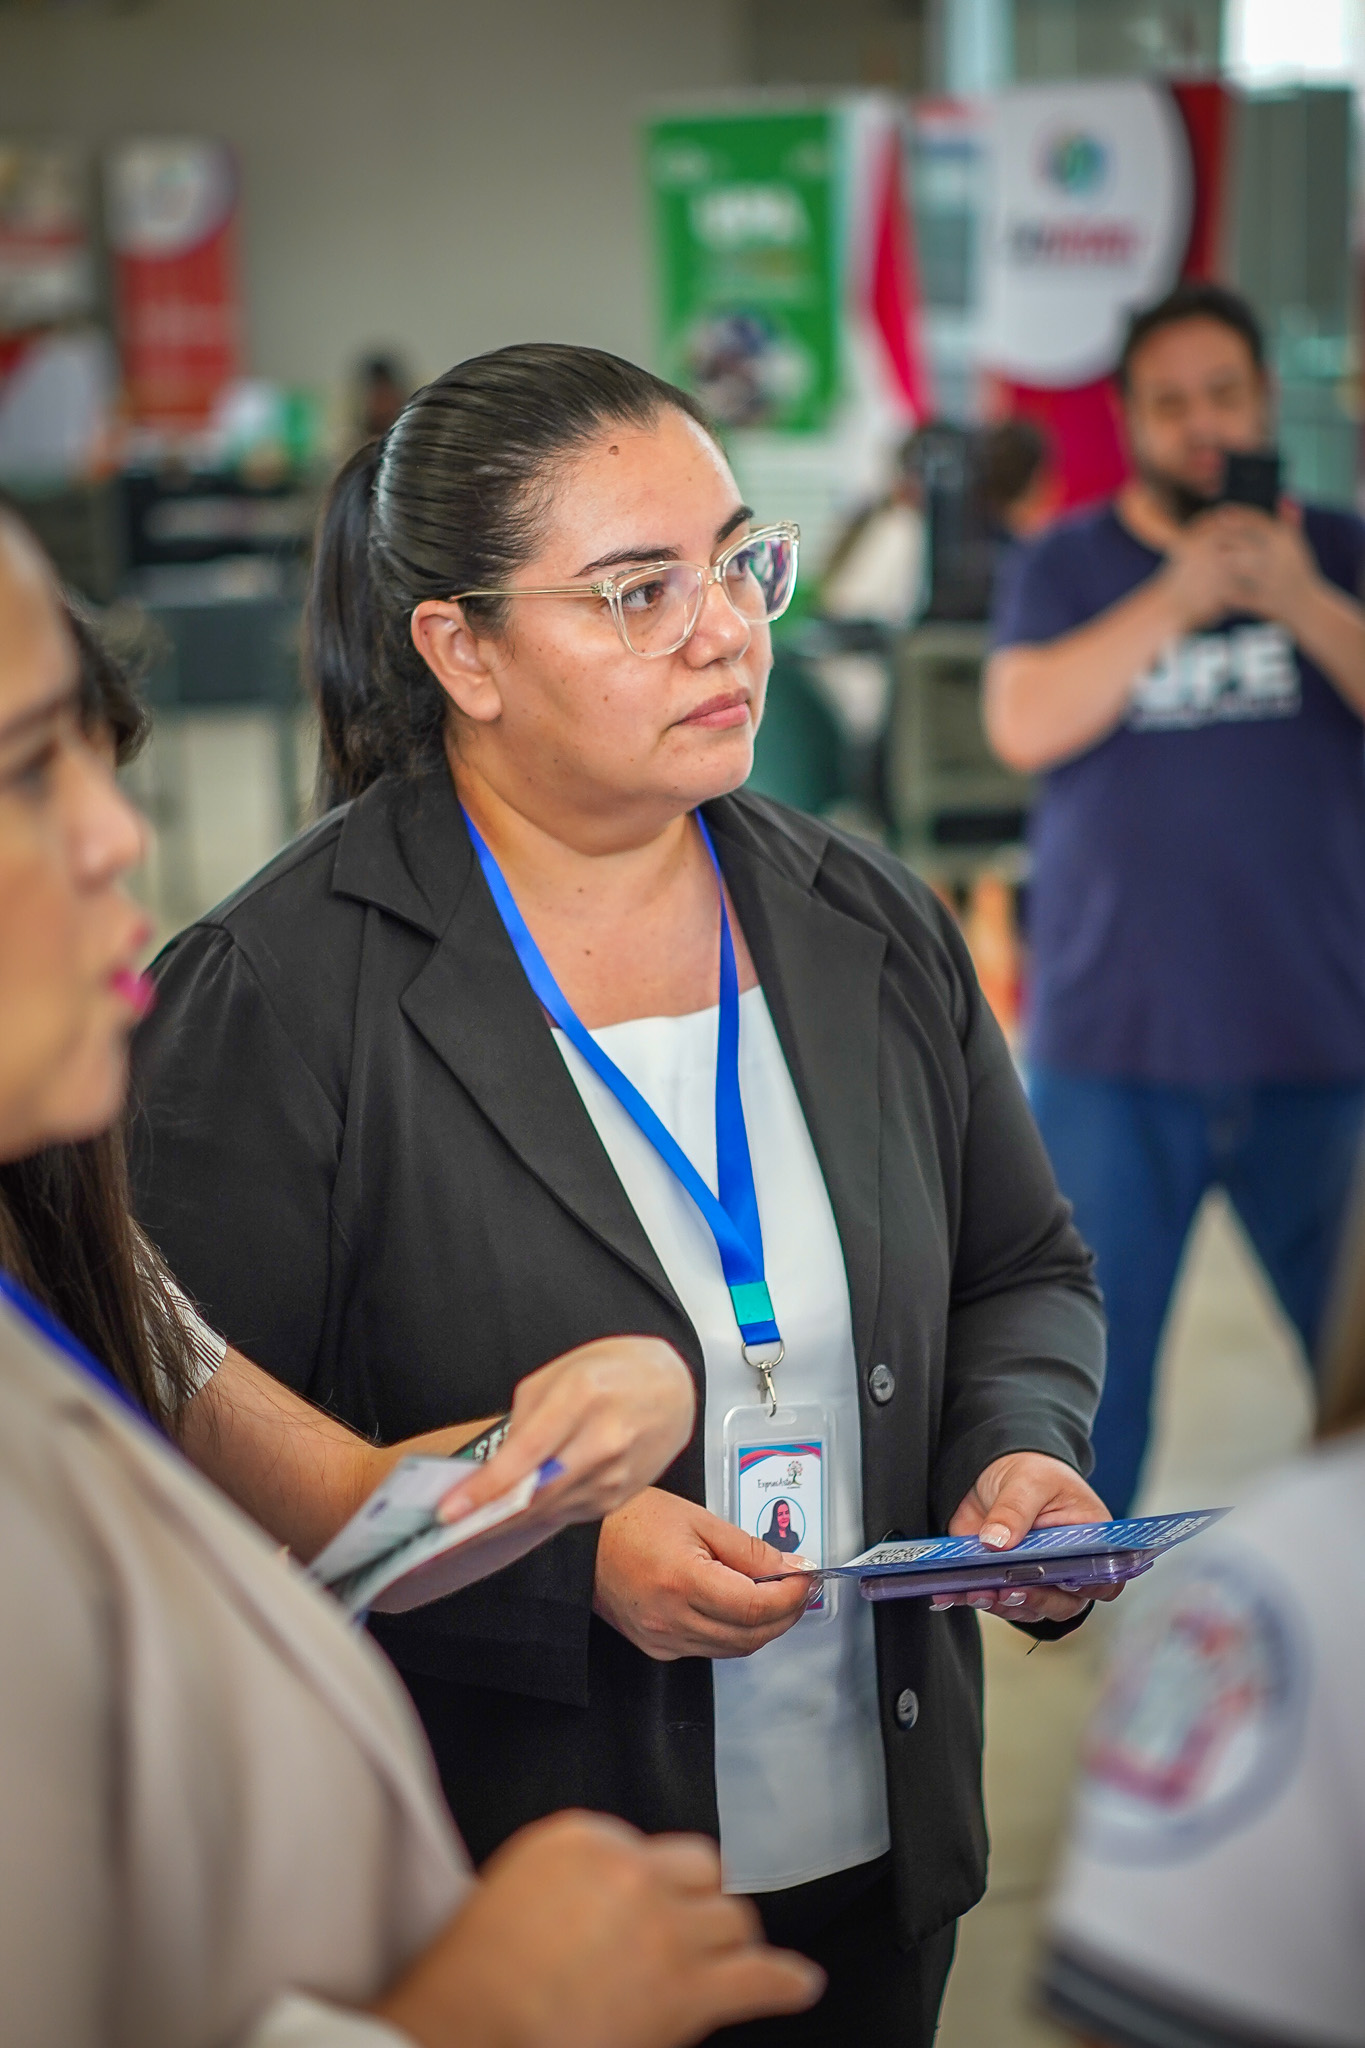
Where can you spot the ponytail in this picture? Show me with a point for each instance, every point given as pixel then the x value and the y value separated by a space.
pixel 341 636
pixel 449 500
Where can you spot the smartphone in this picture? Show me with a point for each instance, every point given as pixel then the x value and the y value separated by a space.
pixel 1253 480
pixel 1072 1574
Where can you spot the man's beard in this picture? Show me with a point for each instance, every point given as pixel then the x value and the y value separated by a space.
pixel 1180 501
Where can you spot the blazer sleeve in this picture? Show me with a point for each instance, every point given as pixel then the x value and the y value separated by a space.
pixel 1025 1350
pixel 234 1153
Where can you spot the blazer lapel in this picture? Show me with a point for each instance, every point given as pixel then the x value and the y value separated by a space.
pixel 821 975
pixel 474 1007
pixel 406 849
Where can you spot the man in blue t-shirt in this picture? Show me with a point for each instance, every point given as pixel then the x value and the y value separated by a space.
pixel 1189 678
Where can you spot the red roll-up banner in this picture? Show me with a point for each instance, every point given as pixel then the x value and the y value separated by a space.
pixel 896 307
pixel 173 234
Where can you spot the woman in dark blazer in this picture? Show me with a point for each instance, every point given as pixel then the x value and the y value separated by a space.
pixel 369 1157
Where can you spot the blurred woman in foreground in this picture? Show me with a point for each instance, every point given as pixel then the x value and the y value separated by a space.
pixel 217 1822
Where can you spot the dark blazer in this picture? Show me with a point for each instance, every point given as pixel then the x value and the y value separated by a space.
pixel 362 1153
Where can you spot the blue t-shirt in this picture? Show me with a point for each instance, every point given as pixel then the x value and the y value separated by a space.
pixel 1197 908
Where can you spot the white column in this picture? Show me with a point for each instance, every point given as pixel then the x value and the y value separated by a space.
pixel 976 39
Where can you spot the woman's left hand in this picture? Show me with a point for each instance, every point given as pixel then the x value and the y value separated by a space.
pixel 1024 1491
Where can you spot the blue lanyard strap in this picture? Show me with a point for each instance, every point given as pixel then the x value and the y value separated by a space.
pixel 733 1214
pixel 62 1340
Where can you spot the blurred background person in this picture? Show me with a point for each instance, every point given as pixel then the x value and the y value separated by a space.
pixel 1016 491
pixel 876 566
pixel 1015 481
pixel 382 386
pixel 1215 1889
pixel 1188 677
pixel 869 595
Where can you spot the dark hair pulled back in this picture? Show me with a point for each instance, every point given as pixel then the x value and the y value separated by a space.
pixel 451 499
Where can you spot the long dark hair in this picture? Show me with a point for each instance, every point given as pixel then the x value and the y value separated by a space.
pixel 451 499
pixel 66 1228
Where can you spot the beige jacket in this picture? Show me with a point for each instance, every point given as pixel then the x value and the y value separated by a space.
pixel 212 1791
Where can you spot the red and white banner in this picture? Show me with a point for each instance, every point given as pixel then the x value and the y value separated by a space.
pixel 1104 195
pixel 45 268
pixel 1089 218
pixel 173 232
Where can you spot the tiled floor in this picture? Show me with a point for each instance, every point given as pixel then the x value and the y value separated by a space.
pixel 1234 1399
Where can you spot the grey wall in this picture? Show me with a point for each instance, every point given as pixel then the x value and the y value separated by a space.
pixel 436 174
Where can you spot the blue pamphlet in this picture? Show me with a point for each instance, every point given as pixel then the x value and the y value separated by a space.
pixel 1146 1533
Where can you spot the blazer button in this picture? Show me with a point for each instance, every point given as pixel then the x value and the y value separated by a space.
pixel 881 1384
pixel 907 1708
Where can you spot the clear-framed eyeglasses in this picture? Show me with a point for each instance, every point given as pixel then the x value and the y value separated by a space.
pixel 656 607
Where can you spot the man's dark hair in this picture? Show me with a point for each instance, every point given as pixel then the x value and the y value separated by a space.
pixel 1008 457
pixel 1191 302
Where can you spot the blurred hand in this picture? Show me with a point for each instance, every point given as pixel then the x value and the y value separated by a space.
pixel 679 1582
pixel 1274 573
pixel 1238 559
pixel 1024 1491
pixel 581 1933
pixel 1204 574
pixel 615 1413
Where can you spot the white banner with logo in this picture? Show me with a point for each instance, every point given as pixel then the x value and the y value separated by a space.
pixel 1091 190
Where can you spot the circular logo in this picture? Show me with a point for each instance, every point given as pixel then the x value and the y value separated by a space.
pixel 1201 1722
pixel 1075 162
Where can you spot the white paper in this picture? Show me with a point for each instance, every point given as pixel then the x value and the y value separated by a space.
pixel 395 1530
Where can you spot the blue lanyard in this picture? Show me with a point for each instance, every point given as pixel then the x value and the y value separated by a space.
pixel 62 1340
pixel 732 1215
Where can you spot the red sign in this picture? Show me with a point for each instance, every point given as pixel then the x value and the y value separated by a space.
pixel 896 307
pixel 173 230
pixel 45 272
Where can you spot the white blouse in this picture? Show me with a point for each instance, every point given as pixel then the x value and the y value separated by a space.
pixel 207 1348
pixel 800 1775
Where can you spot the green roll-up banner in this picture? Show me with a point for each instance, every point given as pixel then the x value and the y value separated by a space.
pixel 786 297
pixel 749 264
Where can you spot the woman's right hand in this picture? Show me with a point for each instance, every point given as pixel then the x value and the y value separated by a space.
pixel 581 1933
pixel 679 1582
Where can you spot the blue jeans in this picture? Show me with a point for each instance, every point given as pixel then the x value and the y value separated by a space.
pixel 1136 1158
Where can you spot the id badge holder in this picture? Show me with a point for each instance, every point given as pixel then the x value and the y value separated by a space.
pixel 777 1480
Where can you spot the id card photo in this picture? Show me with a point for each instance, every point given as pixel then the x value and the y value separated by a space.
pixel 781 1496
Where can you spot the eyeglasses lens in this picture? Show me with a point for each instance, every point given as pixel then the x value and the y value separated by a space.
pixel 759 580
pixel 659 608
